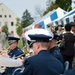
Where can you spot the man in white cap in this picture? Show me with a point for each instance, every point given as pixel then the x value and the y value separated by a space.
pixel 15 52
pixel 52 47
pixel 42 63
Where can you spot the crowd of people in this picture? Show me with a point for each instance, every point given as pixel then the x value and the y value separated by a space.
pixel 47 57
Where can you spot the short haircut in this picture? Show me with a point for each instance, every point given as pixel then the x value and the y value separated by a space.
pixel 45 44
pixel 68 27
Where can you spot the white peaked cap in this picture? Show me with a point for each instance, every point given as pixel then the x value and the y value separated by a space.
pixel 38 31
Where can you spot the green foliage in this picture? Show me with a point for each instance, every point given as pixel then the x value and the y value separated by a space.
pixel 18 22
pixel 20 44
pixel 19 27
pixel 5 29
pixel 51 7
pixel 64 4
pixel 26 19
pixel 19 30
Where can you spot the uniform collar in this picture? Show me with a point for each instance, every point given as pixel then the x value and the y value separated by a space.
pixel 42 51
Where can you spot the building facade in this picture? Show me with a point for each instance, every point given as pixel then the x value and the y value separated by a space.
pixel 7 17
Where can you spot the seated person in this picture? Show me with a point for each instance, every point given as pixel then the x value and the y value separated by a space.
pixel 42 62
pixel 15 52
pixel 53 48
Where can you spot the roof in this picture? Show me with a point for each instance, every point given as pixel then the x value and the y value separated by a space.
pixel 49 17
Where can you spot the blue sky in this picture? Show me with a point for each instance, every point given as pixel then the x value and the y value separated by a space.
pixel 19 6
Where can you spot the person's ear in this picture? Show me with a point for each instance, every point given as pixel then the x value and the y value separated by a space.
pixel 38 45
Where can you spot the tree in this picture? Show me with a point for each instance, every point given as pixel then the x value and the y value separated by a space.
pixel 5 29
pixel 19 30
pixel 64 4
pixel 26 19
pixel 48 3
pixel 39 11
pixel 18 22
pixel 18 27
pixel 51 7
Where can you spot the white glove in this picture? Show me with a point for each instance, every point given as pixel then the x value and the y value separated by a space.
pixel 2 69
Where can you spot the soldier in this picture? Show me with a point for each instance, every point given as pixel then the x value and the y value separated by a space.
pixel 42 62
pixel 53 48
pixel 15 52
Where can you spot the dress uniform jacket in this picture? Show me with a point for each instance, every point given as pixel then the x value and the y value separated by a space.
pixel 16 52
pixel 43 64
pixel 13 53
pixel 0 73
pixel 55 51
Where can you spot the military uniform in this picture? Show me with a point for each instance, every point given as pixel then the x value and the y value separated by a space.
pixel 16 52
pixel 55 52
pixel 42 63
pixel 0 73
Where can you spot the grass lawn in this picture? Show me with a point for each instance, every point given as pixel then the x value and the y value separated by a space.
pixel 20 45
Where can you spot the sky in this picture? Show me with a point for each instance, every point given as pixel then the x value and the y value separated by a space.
pixel 19 6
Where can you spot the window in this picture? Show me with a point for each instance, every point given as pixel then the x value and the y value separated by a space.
pixel 0 15
pixel 12 23
pixel 6 23
pixel 9 15
pixel 5 16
